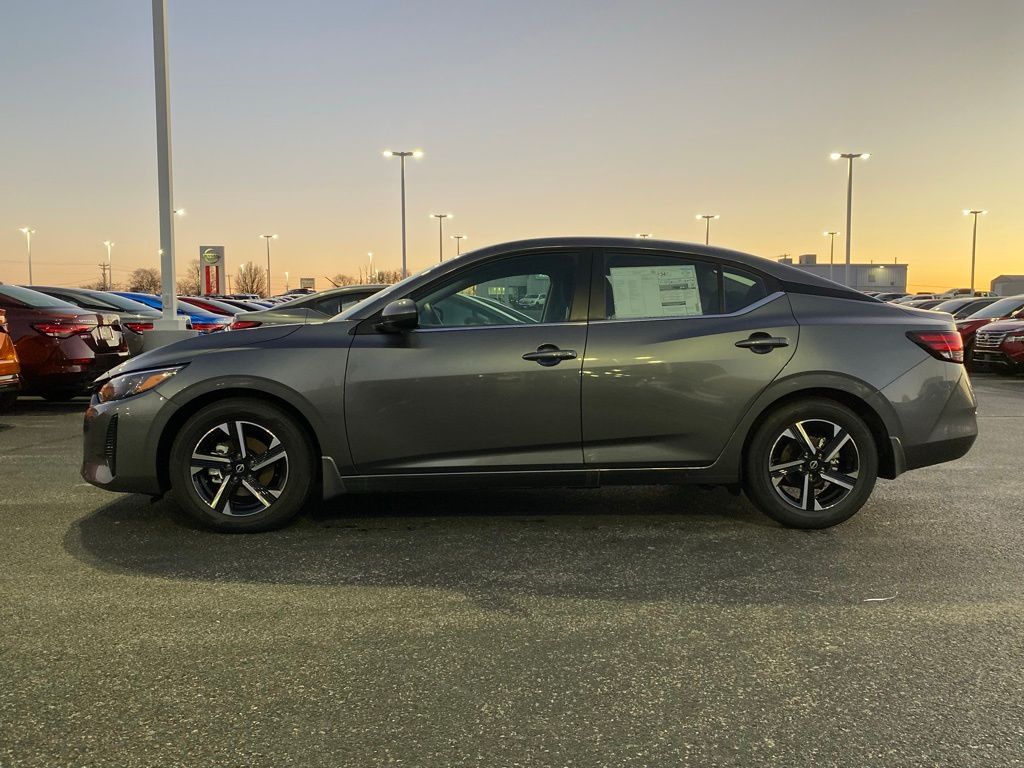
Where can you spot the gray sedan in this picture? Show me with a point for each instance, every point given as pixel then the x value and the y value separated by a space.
pixel 314 308
pixel 652 362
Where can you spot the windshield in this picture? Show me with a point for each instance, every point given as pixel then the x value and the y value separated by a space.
pixel 1002 308
pixel 26 297
pixel 395 290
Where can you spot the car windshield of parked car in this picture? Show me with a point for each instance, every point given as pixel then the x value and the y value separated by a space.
pixel 1002 308
pixel 102 300
pixel 517 291
pixel 17 296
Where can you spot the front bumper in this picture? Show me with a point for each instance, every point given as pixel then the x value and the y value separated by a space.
pixel 119 448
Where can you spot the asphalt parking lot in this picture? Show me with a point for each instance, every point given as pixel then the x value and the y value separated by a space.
pixel 613 627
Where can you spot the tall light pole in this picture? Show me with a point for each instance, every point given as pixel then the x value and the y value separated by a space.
pixel 707 225
pixel 268 238
pixel 849 157
pixel 402 155
pixel 168 292
pixel 28 232
pixel 369 269
pixel 106 272
pixel 440 232
pixel 831 253
pixel 458 243
pixel 286 281
pixel 974 240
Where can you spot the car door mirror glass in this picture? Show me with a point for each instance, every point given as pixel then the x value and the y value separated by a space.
pixel 399 315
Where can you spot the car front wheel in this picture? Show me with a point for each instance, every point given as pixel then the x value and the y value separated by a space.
pixel 811 464
pixel 241 465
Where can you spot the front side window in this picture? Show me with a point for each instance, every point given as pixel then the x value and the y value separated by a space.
pixel 650 286
pixel 521 290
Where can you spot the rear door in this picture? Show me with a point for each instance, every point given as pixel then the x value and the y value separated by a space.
pixel 678 349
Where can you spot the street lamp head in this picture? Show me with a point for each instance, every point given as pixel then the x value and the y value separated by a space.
pixel 850 155
pixel 974 212
pixel 707 215
pixel 417 153
pixel 27 231
pixel 108 243
pixel 830 233
pixel 835 155
pixel 442 216
pixel 269 237
pixel 458 237
pixel 179 211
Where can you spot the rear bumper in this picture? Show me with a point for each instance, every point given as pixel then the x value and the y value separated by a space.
pixel 938 452
pixel 9 382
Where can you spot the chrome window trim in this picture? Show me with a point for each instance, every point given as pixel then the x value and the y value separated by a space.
pixel 478 327
pixel 747 309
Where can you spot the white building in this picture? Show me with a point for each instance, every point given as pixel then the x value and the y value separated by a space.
pixel 863 277
pixel 1008 285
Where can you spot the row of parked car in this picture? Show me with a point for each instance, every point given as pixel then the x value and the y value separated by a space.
pixel 992 327
pixel 55 341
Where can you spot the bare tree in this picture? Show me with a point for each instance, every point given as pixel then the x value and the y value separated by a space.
pixel 191 284
pixel 145 280
pixel 100 285
pixel 344 280
pixel 251 279
pixel 387 276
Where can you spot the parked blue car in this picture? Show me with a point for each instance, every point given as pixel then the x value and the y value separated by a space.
pixel 202 321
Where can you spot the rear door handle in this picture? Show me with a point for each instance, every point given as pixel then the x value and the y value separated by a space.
pixel 550 354
pixel 762 343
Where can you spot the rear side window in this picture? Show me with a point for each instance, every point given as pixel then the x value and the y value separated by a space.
pixel 639 286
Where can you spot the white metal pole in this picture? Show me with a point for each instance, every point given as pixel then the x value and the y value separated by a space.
pixel 974 246
pixel 405 268
pixel 849 217
pixel 169 321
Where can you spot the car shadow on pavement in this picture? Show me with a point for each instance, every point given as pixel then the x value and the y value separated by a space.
pixel 665 543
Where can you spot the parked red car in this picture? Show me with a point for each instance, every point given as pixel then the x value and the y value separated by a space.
pixel 1010 307
pixel 1000 345
pixel 10 381
pixel 61 348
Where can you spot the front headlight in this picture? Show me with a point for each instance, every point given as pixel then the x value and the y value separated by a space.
pixel 135 383
pixel 1015 338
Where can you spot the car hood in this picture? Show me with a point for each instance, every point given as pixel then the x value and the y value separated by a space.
pixel 187 350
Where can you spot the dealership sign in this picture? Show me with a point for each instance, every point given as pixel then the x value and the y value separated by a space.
pixel 211 269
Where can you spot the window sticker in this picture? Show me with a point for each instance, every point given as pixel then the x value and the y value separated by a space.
pixel 655 291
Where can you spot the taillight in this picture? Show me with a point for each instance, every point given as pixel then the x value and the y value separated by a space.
pixel 241 325
pixel 139 327
pixel 206 327
pixel 943 345
pixel 63 330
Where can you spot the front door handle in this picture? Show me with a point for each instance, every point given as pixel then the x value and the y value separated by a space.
pixel 550 354
pixel 761 343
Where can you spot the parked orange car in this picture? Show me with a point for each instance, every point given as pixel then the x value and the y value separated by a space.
pixel 10 380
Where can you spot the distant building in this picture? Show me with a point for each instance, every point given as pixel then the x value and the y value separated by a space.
pixel 1008 285
pixel 863 277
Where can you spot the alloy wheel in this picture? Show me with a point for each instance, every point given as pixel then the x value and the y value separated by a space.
pixel 239 468
pixel 814 464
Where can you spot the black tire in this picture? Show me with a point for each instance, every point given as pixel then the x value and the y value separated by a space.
pixel 7 401
pixel 254 497
pixel 801 493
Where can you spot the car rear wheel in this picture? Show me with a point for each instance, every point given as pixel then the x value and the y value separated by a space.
pixel 811 464
pixel 241 465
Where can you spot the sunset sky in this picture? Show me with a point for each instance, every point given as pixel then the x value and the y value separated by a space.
pixel 536 118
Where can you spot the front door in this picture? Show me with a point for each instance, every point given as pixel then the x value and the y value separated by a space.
pixel 678 349
pixel 484 382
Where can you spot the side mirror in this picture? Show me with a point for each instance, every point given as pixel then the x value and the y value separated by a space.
pixel 398 316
